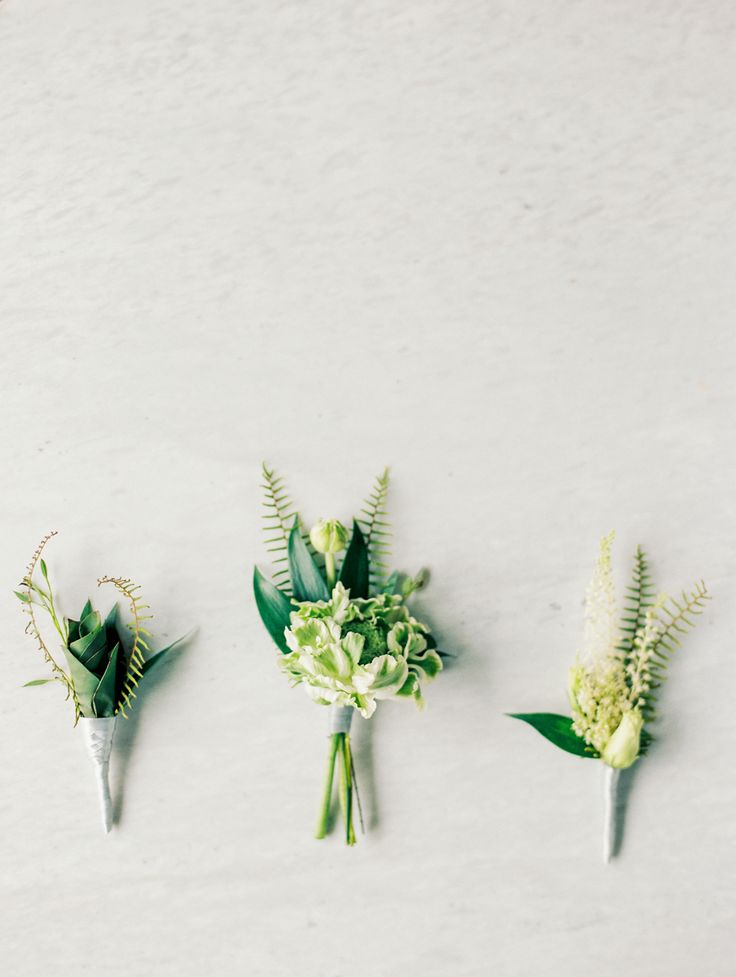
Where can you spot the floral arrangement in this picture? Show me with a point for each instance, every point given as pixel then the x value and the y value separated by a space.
pixel 614 683
pixel 345 632
pixel 105 663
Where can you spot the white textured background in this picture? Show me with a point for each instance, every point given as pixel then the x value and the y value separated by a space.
pixel 489 244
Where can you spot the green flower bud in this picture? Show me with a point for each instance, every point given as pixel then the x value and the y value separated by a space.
pixel 623 746
pixel 329 536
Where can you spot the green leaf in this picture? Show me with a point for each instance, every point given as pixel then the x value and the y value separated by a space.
pixel 44 571
pixel 85 683
pixel 645 743
pixel 355 570
pixel 306 580
pixel 104 699
pixel 558 730
pixel 24 597
pixel 91 650
pixel 89 623
pixel 160 655
pixel 72 628
pixel 37 681
pixel 274 607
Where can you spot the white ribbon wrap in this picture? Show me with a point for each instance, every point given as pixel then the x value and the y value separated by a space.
pixel 341 718
pixel 612 807
pixel 98 734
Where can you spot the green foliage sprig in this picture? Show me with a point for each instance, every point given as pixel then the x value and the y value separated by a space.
pixel 104 670
pixel 614 685
pixel 343 626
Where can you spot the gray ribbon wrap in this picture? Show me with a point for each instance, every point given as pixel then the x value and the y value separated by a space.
pixel 341 718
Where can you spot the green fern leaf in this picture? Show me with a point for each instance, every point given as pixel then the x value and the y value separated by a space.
pixel 136 660
pixel 376 529
pixel 639 598
pixel 278 519
pixel 674 618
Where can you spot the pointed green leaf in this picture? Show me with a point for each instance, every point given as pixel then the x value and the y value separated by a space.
pixel 355 570
pixel 44 570
pixel 274 607
pixel 104 699
pixel 91 650
pixel 160 655
pixel 306 580
pixel 37 681
pixel 89 623
pixel 558 730
pixel 24 597
pixel 72 629
pixel 85 683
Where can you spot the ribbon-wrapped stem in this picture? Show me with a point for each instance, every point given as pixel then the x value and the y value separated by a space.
pixel 98 734
pixel 611 778
pixel 340 754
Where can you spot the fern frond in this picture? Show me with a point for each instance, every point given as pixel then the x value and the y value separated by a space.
pixel 278 521
pixel 673 619
pixel 376 529
pixel 134 670
pixel 32 627
pixel 639 598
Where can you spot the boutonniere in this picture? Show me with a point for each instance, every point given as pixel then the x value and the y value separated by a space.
pixel 105 660
pixel 342 624
pixel 614 683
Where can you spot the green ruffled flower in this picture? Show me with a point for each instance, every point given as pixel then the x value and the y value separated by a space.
pixel 353 653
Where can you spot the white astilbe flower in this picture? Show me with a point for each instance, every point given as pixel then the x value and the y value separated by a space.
pixel 599 687
pixel 601 635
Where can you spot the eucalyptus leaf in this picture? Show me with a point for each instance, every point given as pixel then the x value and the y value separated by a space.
pixel 274 607
pixel 355 570
pixel 558 730
pixel 306 579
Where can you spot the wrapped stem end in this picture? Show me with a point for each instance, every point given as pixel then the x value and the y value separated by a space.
pixel 98 737
pixel 611 779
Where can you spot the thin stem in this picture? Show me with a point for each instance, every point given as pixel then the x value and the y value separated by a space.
pixel 347 762
pixel 324 813
pixel 330 571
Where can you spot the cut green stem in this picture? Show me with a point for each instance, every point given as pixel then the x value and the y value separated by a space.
pixel 324 815
pixel 347 766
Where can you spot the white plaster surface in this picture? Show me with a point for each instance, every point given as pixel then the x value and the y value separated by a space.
pixel 490 244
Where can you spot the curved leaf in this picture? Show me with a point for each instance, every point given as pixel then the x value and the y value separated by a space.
pixel 355 570
pixel 104 700
pixel 307 582
pixel 85 683
pixel 91 650
pixel 156 659
pixel 558 730
pixel 274 607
